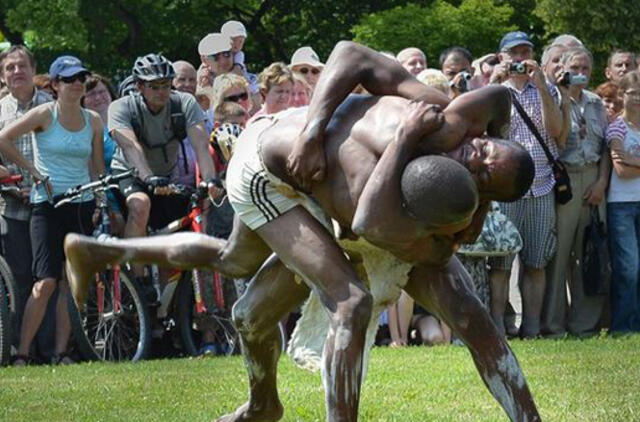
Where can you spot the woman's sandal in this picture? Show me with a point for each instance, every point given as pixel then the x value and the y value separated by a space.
pixel 20 360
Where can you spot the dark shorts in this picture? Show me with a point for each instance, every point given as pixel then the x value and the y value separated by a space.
pixel 164 208
pixel 48 227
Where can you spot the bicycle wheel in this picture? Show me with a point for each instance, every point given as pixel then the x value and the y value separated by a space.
pixel 7 311
pixel 106 333
pixel 215 321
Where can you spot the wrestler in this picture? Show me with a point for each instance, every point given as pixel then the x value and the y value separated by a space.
pixel 365 126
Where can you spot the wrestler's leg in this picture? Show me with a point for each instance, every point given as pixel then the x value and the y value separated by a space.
pixel 446 292
pixel 308 249
pixel 240 256
pixel 271 294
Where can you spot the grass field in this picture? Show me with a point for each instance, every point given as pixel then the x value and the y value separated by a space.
pixel 571 380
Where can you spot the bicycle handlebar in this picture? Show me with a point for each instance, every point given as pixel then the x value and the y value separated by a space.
pixel 103 184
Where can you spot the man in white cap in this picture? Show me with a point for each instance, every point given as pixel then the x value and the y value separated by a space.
pixel 215 53
pixel 306 62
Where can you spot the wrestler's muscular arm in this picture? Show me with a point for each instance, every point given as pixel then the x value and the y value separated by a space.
pixel 348 65
pixel 384 224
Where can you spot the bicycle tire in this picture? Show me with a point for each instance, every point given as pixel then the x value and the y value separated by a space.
pixel 112 336
pixel 226 335
pixel 7 310
pixel 5 327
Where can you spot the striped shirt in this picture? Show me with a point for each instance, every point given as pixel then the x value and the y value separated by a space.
pixel 519 132
pixel 10 111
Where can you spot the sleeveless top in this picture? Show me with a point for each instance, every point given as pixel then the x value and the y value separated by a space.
pixel 64 156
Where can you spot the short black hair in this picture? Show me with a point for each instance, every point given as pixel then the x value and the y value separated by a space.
pixel 523 171
pixel 438 190
pixel 461 51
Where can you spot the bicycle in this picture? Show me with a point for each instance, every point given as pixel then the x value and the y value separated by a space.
pixel 115 325
pixel 186 294
pixel 8 298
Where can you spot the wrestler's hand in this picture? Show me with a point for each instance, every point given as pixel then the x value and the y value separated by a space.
pixel 420 120
pixel 306 163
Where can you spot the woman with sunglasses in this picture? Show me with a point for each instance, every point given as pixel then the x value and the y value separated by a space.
pixel 307 64
pixel 68 151
pixel 230 87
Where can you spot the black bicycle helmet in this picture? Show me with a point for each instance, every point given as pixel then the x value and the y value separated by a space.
pixel 126 86
pixel 153 67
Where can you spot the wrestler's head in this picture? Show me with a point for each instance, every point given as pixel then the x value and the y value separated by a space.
pixel 439 192
pixel 503 170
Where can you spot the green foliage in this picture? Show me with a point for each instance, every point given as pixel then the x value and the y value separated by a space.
pixel 602 25
pixel 595 380
pixel 476 24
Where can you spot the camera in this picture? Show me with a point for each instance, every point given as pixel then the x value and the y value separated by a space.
pixel 517 67
pixel 569 78
pixel 462 84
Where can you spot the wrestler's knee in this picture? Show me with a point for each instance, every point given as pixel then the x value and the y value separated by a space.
pixel 356 310
pixel 247 322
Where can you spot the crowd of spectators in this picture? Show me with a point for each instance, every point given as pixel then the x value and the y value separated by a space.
pixel 62 128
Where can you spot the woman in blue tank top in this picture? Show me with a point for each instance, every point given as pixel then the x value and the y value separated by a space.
pixel 68 151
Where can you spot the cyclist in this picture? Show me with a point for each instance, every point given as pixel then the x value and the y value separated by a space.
pixel 149 126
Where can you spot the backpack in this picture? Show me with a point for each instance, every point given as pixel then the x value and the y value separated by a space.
pixel 178 121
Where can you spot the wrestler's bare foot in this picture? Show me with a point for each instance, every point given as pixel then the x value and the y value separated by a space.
pixel 271 411
pixel 85 256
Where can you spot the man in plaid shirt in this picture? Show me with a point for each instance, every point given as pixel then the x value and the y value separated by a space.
pixel 17 67
pixel 534 215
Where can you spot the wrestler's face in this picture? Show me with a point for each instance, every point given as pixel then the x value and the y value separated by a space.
pixel 488 163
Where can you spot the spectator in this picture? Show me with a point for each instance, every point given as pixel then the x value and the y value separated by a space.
pixel 623 208
pixel 99 94
pixel 533 215
pixel 204 76
pixel 608 91
pixel 42 81
pixel 551 63
pixel 230 88
pixel 301 92
pixel 620 62
pixel 483 69
pixel 585 156
pixel 455 63
pixel 186 79
pixel 68 151
pixel 238 34
pixel 412 59
pixel 434 78
pixel 306 62
pixel 127 86
pixel 17 68
pixel 276 84
pixel 230 112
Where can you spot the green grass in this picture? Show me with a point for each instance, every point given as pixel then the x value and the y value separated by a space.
pixel 571 380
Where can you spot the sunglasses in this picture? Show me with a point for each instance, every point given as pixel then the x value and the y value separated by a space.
pixel 216 56
pixel 82 77
pixel 237 98
pixel 305 70
pixel 159 87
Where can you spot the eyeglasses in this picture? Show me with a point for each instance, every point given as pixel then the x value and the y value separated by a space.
pixel 159 86
pixel 216 57
pixel 237 98
pixel 305 70
pixel 82 77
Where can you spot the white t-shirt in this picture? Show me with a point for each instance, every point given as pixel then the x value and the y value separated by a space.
pixel 624 190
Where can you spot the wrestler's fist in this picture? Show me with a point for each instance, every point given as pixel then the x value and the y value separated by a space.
pixel 306 163
pixel 421 120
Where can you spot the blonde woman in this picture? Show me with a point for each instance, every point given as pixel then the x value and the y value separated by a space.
pixel 276 85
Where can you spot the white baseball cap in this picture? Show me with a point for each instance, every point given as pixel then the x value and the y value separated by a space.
pixel 305 55
pixel 213 44
pixel 233 29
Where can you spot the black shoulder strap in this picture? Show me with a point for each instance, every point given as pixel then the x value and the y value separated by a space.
pixel 136 116
pixel 532 127
pixel 178 120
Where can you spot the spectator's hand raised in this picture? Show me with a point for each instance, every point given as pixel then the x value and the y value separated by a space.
pixel 535 73
pixel 307 163
pixel 500 72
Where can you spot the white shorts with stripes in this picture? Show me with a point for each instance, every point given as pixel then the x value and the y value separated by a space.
pixel 252 191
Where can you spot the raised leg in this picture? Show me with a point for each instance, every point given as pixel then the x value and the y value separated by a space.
pixel 271 294
pixel 446 292
pixel 239 256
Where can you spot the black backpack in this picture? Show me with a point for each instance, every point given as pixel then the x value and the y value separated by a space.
pixel 178 121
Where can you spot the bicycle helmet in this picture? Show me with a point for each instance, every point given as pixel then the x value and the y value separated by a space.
pixel 153 67
pixel 226 136
pixel 126 86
